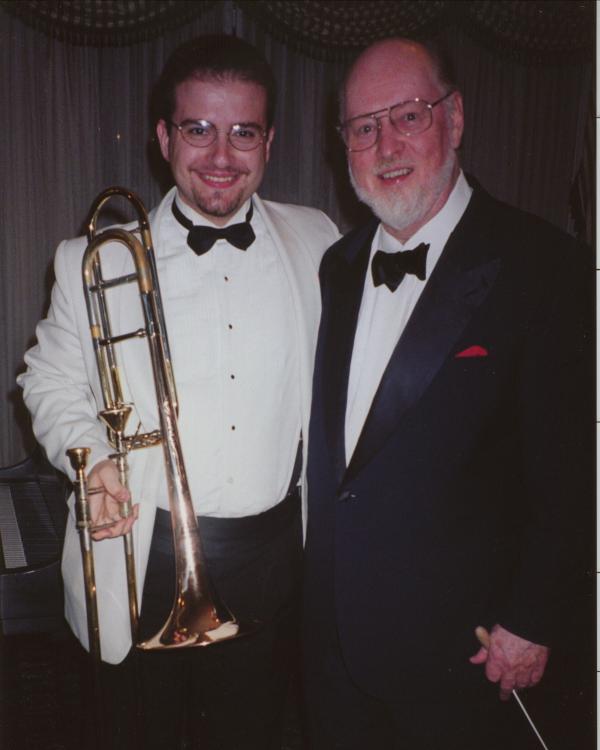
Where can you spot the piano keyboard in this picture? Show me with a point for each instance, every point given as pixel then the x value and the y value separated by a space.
pixel 28 534
pixel 11 542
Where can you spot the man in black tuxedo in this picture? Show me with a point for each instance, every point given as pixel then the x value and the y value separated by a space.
pixel 449 450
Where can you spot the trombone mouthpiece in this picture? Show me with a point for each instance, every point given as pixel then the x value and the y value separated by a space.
pixel 78 458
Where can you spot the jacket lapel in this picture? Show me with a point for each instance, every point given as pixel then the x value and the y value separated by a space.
pixel 297 262
pixel 457 287
pixel 343 275
pixel 301 274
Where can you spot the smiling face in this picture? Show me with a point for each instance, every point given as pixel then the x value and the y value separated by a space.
pixel 217 179
pixel 405 180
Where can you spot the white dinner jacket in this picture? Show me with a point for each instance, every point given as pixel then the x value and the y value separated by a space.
pixel 62 391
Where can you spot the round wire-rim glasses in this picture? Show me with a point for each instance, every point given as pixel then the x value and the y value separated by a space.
pixel 411 117
pixel 245 136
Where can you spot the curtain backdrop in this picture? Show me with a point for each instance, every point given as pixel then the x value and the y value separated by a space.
pixel 74 120
pixel 527 29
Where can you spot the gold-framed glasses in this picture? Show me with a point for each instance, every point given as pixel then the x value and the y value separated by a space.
pixel 408 118
pixel 244 136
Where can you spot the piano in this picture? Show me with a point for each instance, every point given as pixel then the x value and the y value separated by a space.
pixel 33 515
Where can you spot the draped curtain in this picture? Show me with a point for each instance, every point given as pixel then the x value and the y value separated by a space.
pixel 74 84
pixel 329 30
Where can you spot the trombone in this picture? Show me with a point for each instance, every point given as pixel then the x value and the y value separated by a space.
pixel 198 617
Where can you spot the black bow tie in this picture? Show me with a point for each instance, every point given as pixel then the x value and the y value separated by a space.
pixel 201 238
pixel 391 268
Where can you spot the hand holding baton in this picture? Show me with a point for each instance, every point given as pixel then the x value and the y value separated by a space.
pixel 484 638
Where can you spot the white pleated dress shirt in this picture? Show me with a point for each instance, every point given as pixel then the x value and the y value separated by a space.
pixel 384 314
pixel 234 346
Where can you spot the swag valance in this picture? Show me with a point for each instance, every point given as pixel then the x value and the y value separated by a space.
pixel 543 31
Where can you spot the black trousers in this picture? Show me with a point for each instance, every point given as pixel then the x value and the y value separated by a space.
pixel 230 695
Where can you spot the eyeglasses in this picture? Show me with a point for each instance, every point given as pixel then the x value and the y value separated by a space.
pixel 407 118
pixel 201 133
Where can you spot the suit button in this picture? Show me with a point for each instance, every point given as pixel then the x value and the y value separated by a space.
pixel 346 495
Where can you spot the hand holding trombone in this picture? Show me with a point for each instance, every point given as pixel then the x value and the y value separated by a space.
pixel 198 617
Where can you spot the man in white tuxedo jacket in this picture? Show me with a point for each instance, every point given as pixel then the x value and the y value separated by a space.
pixel 242 318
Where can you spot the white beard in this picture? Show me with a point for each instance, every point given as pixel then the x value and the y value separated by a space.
pixel 400 211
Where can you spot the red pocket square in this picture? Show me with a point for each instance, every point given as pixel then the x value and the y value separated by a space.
pixel 472 351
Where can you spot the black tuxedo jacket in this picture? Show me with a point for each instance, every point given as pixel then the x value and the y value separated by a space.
pixel 468 495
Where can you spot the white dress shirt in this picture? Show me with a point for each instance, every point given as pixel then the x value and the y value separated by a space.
pixel 384 314
pixel 239 395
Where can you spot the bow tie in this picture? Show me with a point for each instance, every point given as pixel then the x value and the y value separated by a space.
pixel 201 238
pixel 391 268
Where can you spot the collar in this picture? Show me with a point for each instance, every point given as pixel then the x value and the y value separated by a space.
pixel 440 225
pixel 435 232
pixel 200 220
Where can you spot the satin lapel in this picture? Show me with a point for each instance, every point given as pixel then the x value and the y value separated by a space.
pixel 299 269
pixel 297 264
pixel 342 282
pixel 444 309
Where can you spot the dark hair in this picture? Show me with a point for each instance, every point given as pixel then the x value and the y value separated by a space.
pixel 212 57
pixel 438 54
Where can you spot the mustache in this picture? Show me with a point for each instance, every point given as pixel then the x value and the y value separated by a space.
pixel 380 167
pixel 387 166
pixel 221 171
